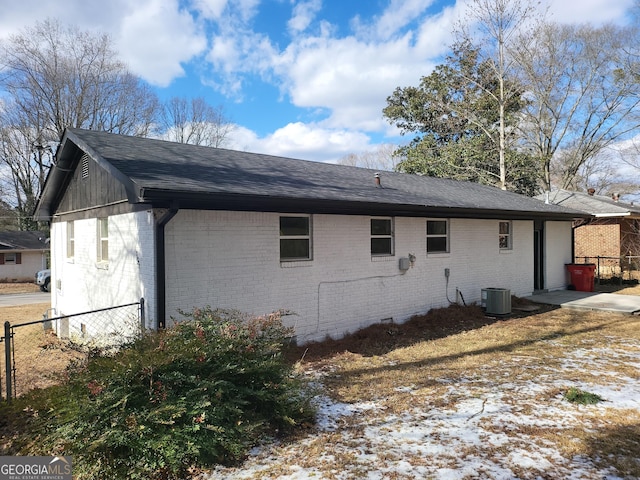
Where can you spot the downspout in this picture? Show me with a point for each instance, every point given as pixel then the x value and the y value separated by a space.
pixel 161 290
pixel 573 244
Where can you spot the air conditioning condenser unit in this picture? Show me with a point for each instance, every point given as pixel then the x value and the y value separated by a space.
pixel 496 301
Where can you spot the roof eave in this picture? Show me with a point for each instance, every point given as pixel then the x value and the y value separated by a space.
pixel 237 202
pixel 53 183
pixel 609 215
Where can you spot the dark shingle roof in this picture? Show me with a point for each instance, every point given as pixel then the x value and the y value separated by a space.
pixel 23 241
pixel 597 205
pixel 160 170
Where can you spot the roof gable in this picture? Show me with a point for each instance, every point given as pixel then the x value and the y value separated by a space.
pixel 159 172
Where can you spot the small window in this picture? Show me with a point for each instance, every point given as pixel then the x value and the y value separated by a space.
pixel 103 240
pixel 11 258
pixel 295 238
pixel 70 240
pixel 381 236
pixel 505 236
pixel 437 236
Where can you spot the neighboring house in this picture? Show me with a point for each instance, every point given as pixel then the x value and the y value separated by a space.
pixel 22 254
pixel 612 232
pixel 342 247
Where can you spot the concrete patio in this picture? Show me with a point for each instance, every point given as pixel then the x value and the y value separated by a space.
pixel 608 302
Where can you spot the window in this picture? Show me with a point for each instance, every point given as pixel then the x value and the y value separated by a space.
pixel 103 240
pixel 295 238
pixel 381 236
pixel 505 235
pixel 437 236
pixel 12 259
pixel 70 240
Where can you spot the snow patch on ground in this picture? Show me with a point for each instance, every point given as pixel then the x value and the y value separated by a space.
pixel 482 434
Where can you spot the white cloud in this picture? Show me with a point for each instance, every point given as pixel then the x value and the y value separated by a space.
pixel 224 52
pixel 234 56
pixel 397 15
pixel 156 36
pixel 247 8
pixel 349 77
pixel 81 13
pixel 435 34
pixel 303 14
pixel 304 141
pixel 587 11
pixel 210 9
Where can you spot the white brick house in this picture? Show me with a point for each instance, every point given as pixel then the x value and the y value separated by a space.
pixel 22 254
pixel 186 226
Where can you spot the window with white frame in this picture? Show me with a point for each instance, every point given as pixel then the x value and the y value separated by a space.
pixel 103 239
pixel 505 236
pixel 437 236
pixel 295 238
pixel 71 241
pixel 381 236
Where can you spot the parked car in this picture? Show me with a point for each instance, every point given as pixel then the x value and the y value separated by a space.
pixel 43 278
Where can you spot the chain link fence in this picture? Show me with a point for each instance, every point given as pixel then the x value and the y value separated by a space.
pixel 36 354
pixel 616 270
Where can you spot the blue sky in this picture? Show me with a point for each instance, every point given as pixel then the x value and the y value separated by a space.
pixel 300 78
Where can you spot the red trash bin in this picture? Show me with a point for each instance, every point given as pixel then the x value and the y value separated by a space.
pixel 582 275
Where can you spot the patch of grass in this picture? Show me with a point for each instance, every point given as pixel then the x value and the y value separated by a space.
pixel 13 288
pixel 575 395
pixel 427 358
pixel 40 357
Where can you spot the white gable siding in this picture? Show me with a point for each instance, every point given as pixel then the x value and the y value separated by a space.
pixel 81 284
pixel 231 260
pixel 557 254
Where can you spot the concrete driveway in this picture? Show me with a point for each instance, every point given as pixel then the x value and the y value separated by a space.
pixel 13 299
pixel 607 302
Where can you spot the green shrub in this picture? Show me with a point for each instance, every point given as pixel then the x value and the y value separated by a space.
pixel 575 395
pixel 200 393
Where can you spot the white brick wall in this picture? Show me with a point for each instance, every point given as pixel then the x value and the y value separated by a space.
pixel 81 284
pixel 231 260
pixel 557 254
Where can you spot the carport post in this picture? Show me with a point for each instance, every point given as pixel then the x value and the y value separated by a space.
pixel 7 356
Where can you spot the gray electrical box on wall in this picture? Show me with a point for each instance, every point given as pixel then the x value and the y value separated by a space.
pixel 404 264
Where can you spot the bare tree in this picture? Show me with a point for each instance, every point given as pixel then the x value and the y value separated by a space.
pixel 194 121
pixel 27 162
pixel 601 172
pixel 53 77
pixel 583 91
pixel 492 25
pixel 630 153
pixel 8 217
pixel 382 157
pixel 59 77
